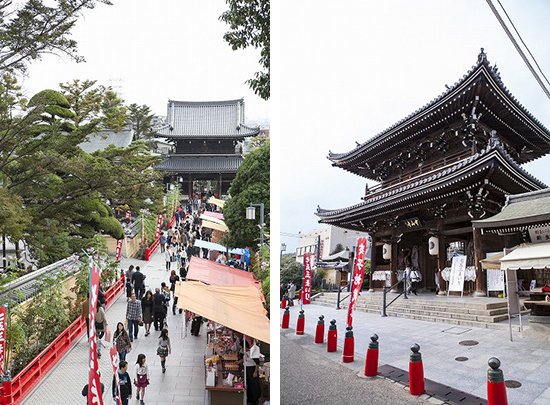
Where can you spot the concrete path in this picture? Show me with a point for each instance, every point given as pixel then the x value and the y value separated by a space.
pixel 524 360
pixel 309 377
pixel 183 382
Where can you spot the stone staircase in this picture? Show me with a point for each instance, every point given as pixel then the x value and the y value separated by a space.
pixel 467 311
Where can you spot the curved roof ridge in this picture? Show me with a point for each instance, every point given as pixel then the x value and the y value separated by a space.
pixel 449 89
pixel 478 67
pixel 492 146
pixel 215 102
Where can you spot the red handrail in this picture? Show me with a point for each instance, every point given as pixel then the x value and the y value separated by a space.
pixel 151 249
pixel 14 391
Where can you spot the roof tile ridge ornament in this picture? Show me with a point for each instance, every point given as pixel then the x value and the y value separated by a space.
pixel 481 59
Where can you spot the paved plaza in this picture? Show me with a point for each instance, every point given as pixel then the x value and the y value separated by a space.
pixel 524 360
pixel 183 383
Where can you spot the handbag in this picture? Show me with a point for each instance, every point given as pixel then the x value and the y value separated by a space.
pixel 107 335
pixel 140 323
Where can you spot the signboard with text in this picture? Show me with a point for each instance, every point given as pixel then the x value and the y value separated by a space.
pixel 458 270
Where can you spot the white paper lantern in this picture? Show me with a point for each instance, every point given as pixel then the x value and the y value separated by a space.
pixel 386 251
pixel 433 246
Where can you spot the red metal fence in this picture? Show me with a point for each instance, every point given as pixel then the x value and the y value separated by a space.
pixel 14 391
pixel 151 249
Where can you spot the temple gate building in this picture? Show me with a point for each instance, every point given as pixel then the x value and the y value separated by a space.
pixel 449 163
pixel 208 140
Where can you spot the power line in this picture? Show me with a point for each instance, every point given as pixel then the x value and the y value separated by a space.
pixel 520 51
pixel 524 44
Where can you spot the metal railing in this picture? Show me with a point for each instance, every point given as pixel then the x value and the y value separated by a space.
pixel 338 300
pixel 404 293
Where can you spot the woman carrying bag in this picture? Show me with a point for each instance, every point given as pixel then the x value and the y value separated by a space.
pixel 142 377
pixel 416 277
pixel 164 348
pixel 122 341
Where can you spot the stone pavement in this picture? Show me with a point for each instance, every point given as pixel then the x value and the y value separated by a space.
pixel 183 382
pixel 308 377
pixel 525 359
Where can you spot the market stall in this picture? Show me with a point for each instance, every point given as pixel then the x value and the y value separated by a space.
pixel 235 313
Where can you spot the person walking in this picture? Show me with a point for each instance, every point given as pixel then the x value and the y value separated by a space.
pixel 100 327
pixel 142 377
pixel 196 325
pixel 133 316
pixel 85 389
pixel 168 257
pixel 164 348
pixel 251 363
pixel 291 293
pixel 415 280
pixel 158 309
pixel 124 382
pixel 138 280
pixel 162 242
pixel 165 290
pixel 122 341
pixel 147 308
pixel 174 278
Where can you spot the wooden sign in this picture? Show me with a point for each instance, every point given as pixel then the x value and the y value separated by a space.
pixel 456 278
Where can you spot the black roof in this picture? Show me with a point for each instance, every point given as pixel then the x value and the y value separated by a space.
pixel 201 164
pixel 206 119
pixel 451 180
pixel 481 87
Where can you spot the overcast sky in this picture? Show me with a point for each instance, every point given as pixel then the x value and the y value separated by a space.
pixel 155 51
pixel 351 69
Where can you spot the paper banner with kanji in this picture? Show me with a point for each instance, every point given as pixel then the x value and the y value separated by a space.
pixel 95 396
pixel 3 315
pixel 358 276
pixel 118 249
pixel 159 225
pixel 114 362
pixel 306 282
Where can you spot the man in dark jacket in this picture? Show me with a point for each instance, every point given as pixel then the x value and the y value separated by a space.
pixel 138 280
pixel 159 312
pixel 85 389
pixel 124 382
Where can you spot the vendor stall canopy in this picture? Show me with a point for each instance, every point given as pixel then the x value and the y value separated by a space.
pixel 237 307
pixel 213 273
pixel 527 256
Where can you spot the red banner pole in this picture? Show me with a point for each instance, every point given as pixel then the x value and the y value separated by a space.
pixel 95 396
pixel 358 276
pixel 306 282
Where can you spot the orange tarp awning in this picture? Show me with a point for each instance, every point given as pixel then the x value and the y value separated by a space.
pixel 237 307
pixel 210 272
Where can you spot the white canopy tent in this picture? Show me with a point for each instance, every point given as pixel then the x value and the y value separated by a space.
pixel 527 256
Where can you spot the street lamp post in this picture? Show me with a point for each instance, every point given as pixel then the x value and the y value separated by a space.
pixel 251 214
pixel 283 249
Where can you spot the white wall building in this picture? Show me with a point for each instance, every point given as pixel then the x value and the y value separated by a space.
pixel 330 237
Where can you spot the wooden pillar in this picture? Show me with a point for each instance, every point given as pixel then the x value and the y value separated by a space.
pixel 190 188
pixel 372 264
pixel 479 254
pixel 393 265
pixel 441 262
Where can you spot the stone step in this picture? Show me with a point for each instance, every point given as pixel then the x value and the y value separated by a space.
pixel 448 317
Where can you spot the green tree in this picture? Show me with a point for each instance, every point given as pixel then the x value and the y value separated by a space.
pixel 248 22
pixel 291 270
pixel 261 268
pixel 141 119
pixel 251 185
pixel 31 29
pixel 337 249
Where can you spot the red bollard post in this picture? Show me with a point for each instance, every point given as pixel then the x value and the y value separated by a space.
pixel 371 363
pixel 6 389
pixel 496 389
pixel 416 372
pixel 300 324
pixel 320 331
pixel 332 336
pixel 349 346
pixel 286 319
